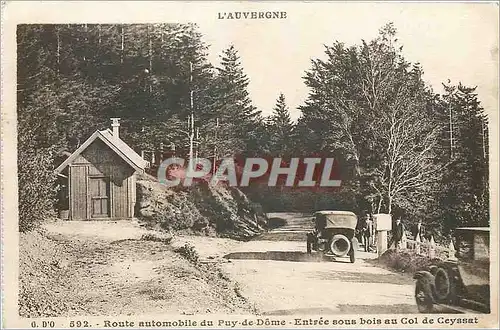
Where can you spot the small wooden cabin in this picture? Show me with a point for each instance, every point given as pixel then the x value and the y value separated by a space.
pixel 101 176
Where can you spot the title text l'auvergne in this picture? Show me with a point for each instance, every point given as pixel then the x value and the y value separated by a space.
pixel 252 15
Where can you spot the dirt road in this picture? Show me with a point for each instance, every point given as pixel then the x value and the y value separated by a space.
pixel 276 274
pixel 273 274
pixel 108 268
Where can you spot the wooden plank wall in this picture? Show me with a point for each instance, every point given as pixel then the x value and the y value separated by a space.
pixel 78 193
pixel 119 192
pixel 100 160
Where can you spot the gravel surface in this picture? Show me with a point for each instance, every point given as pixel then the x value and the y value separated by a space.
pixel 280 278
pixel 104 268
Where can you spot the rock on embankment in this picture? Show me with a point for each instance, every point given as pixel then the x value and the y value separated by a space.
pixel 202 208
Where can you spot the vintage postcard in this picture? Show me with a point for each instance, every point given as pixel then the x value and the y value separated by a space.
pixel 253 164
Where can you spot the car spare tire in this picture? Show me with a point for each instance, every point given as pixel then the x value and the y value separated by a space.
pixel 442 284
pixel 340 245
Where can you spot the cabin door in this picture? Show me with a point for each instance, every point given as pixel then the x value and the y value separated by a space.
pixel 99 197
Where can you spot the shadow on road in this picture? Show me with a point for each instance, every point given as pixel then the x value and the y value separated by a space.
pixel 283 256
pixel 276 222
pixel 349 309
pixel 279 236
pixel 303 311
pixel 377 309
pixel 361 277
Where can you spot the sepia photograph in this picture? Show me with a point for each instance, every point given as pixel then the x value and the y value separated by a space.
pixel 236 165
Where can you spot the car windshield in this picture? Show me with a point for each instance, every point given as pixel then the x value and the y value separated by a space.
pixel 472 246
pixel 465 249
pixel 336 221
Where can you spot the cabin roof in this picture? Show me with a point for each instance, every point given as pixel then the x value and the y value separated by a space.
pixel 116 144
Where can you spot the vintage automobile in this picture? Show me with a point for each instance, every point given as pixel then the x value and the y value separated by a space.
pixel 461 283
pixel 333 234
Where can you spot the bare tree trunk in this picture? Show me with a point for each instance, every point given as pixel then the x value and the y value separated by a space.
pixel 191 128
pixel 380 197
pixel 451 131
pixel 215 144
pixel 150 54
pixel 150 51
pixel 58 54
pixel 483 138
pixel 85 42
pixel 389 193
pixel 122 43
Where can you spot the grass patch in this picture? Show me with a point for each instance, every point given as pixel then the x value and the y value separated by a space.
pixel 188 252
pixel 157 237
pixel 406 261
pixel 237 291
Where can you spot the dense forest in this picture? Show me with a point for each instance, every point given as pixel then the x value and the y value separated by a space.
pixel 403 148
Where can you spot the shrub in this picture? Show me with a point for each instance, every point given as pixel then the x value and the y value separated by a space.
pixel 37 190
pixel 237 291
pixel 189 252
pixel 157 237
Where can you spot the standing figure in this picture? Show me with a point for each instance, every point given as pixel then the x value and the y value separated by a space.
pixel 397 233
pixel 418 231
pixel 368 232
pixel 360 230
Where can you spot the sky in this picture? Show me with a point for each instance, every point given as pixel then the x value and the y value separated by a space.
pixel 456 41
pixel 450 40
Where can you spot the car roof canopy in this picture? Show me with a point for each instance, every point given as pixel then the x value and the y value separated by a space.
pixel 327 212
pixel 337 219
pixel 475 229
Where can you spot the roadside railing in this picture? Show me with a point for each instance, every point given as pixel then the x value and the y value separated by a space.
pixel 428 247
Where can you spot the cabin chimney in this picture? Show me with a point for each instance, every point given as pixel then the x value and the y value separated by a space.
pixel 116 127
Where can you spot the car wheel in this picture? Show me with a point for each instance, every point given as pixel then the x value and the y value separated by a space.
pixel 340 245
pixel 423 298
pixel 442 284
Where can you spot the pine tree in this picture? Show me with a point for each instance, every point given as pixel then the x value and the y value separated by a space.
pixel 238 117
pixel 281 129
pixel 73 78
pixel 465 197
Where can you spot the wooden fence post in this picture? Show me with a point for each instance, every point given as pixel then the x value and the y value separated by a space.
pixel 404 241
pixel 417 244
pixel 432 248
pixel 451 251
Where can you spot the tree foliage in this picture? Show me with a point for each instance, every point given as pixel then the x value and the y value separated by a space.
pixel 370 108
pixel 464 198
pixel 281 129
pixel 238 117
pixel 401 147
pixel 73 78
